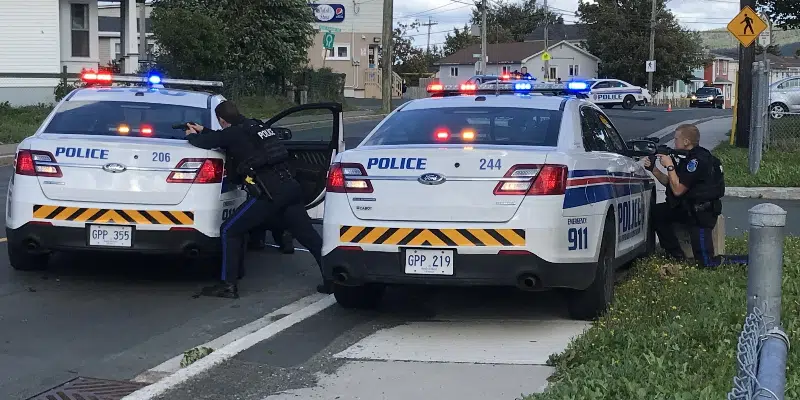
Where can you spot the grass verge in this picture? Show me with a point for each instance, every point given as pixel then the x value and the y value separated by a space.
pixel 672 334
pixel 17 123
pixel 778 168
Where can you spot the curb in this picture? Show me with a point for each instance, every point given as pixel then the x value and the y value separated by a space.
pixel 767 193
pixel 661 134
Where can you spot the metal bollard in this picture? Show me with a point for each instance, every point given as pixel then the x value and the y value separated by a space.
pixel 772 366
pixel 765 269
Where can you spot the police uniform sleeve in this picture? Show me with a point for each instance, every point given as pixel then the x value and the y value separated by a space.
pixel 690 171
pixel 209 139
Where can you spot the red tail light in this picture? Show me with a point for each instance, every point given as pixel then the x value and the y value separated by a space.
pixel 344 178
pixel 35 163
pixel 198 170
pixel 435 87
pixel 543 179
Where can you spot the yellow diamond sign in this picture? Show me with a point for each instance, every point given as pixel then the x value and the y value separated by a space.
pixel 546 56
pixel 746 26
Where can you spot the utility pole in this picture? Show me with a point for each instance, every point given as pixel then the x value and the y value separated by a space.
pixel 744 93
pixel 652 45
pixel 547 76
pixel 484 5
pixel 429 25
pixel 387 55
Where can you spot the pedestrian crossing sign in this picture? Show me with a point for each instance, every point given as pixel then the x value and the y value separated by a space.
pixel 746 26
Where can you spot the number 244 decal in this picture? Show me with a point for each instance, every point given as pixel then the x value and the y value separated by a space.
pixel 490 164
pixel 578 238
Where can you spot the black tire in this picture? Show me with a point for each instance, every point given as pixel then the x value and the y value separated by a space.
pixel 591 303
pixel 608 106
pixel 359 297
pixel 628 102
pixel 21 260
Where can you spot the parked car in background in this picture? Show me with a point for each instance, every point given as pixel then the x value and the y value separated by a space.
pixel 784 97
pixel 708 96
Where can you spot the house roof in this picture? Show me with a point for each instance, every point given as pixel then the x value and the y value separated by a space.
pixel 558 32
pixel 114 24
pixel 561 43
pixel 498 53
pixel 784 62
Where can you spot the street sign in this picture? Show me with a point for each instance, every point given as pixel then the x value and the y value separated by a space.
pixel 476 55
pixel 329 28
pixel 650 66
pixel 546 56
pixel 327 40
pixel 765 38
pixel 746 26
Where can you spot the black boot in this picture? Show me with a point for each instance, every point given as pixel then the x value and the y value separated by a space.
pixel 287 243
pixel 326 287
pixel 223 289
pixel 256 244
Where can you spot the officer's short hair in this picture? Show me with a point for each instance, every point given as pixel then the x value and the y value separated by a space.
pixel 690 133
pixel 227 110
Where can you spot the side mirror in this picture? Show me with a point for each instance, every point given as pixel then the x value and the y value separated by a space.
pixel 282 133
pixel 641 148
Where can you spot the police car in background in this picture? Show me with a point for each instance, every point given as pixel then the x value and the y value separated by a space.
pixel 108 171
pixel 499 185
pixel 613 92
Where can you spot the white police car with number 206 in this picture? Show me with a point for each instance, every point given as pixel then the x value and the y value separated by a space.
pixel 497 187
pixel 110 170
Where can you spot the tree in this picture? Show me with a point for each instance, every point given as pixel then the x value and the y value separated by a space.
pixel 403 43
pixel 785 14
pixel 511 22
pixel 618 32
pixel 460 39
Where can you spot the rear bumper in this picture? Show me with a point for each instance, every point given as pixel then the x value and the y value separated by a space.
pixel 43 238
pixel 363 267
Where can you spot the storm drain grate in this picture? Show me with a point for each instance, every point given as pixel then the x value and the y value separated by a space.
pixel 90 389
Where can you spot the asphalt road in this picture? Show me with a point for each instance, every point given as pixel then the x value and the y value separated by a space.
pixel 115 317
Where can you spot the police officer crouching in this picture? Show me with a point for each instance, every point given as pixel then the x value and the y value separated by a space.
pixel 694 189
pixel 258 159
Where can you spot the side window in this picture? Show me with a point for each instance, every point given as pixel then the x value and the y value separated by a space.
pixel 618 84
pixel 611 134
pixel 593 136
pixel 602 85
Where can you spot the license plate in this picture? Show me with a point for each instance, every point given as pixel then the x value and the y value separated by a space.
pixel 110 235
pixel 429 262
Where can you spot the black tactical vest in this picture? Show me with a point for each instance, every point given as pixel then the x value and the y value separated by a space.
pixel 712 186
pixel 267 149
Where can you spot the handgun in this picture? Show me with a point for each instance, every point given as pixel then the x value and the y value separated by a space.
pixel 184 126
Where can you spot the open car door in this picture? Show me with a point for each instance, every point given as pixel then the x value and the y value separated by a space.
pixel 313 135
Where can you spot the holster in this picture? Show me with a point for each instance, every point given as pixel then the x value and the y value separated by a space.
pixel 256 188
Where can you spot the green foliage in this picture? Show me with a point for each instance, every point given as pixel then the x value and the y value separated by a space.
pixel 618 32
pixel 510 21
pixel 778 166
pixel 784 14
pixel 192 355
pixel 17 123
pixel 460 39
pixel 403 44
pixel 671 334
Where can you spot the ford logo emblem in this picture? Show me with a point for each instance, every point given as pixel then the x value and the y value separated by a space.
pixel 114 168
pixel 431 179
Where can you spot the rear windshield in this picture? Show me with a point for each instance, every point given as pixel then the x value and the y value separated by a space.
pixel 118 118
pixel 706 91
pixel 479 125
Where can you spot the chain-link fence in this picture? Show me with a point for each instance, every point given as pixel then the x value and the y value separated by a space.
pixel 775 113
pixel 750 357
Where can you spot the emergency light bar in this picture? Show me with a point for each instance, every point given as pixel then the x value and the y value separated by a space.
pixel 519 87
pixel 153 80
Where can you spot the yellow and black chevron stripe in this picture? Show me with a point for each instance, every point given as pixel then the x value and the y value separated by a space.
pixel 432 237
pixel 102 215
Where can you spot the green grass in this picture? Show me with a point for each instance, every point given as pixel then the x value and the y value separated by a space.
pixel 779 168
pixel 672 334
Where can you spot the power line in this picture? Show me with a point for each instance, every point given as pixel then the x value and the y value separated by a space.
pixel 429 25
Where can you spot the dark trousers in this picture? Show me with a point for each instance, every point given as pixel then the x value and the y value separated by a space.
pixel 700 235
pixel 286 209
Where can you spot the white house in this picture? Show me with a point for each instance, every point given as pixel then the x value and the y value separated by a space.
pixel 567 60
pixel 108 32
pixel 40 37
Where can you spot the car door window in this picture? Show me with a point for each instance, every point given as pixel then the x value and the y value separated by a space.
pixel 602 85
pixel 612 134
pixel 594 136
pixel 618 84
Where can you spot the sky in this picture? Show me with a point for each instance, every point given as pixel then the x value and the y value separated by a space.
pixel 449 14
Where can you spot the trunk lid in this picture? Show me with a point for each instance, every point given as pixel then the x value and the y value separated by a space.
pixel 447 183
pixel 107 169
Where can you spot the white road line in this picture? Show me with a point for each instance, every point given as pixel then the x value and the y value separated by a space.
pixel 235 347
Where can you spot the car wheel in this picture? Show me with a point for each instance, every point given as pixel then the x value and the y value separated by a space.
pixel 777 110
pixel 359 297
pixel 21 260
pixel 628 102
pixel 592 302
pixel 608 106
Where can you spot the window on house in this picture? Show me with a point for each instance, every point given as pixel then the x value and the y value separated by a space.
pixel 79 16
pixel 506 69
pixel 725 68
pixel 338 52
pixel 117 51
pixel 573 70
pixel 553 73
pixel 453 71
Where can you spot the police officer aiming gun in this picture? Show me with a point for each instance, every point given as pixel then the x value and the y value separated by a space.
pixel 694 189
pixel 257 158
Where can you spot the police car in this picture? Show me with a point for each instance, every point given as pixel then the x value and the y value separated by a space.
pixel 612 92
pixel 502 186
pixel 107 170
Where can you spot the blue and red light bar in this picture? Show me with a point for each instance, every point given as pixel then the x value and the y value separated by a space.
pixel 91 77
pixel 518 87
